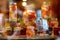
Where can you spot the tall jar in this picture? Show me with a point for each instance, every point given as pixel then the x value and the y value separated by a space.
pixel 29 18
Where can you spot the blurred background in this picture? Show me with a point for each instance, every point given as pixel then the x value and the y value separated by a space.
pixel 30 18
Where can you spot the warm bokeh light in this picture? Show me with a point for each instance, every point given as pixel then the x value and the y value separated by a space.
pixel 24 3
pixel 24 0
